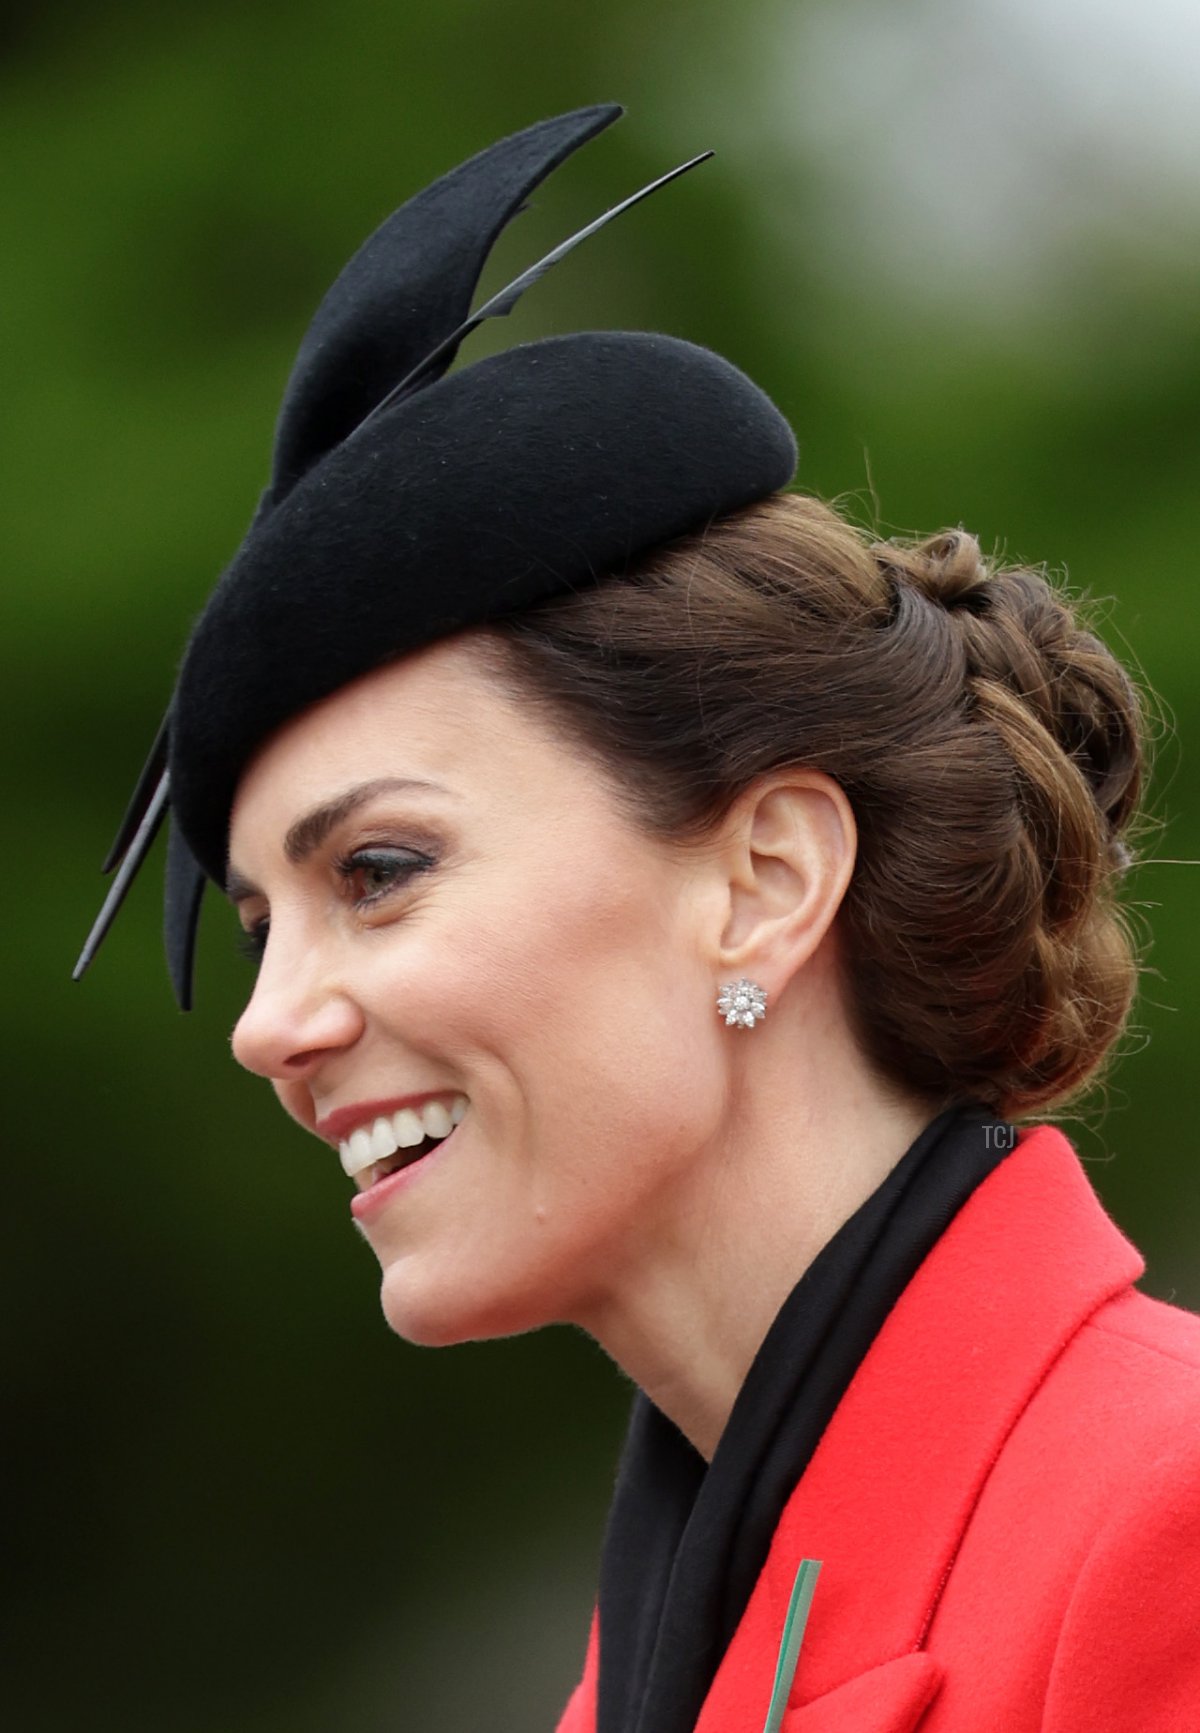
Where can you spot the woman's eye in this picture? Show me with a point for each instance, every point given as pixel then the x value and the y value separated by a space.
pixel 253 941
pixel 372 872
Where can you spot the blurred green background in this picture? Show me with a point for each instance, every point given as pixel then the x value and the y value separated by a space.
pixel 959 245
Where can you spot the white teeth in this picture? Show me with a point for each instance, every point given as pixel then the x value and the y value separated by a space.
pixel 436 1120
pixel 383 1140
pixel 404 1129
pixel 408 1128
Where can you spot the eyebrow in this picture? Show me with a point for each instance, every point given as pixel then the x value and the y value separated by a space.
pixel 309 832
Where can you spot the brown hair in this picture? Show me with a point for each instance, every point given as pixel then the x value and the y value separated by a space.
pixel 990 745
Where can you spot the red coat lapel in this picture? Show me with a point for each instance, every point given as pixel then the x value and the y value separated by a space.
pixel 888 1493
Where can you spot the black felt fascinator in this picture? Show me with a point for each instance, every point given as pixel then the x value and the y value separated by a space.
pixel 406 502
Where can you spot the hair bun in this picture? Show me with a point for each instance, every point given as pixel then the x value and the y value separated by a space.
pixel 947 568
pixel 1014 630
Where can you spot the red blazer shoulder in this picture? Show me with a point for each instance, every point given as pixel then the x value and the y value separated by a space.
pixel 1006 1503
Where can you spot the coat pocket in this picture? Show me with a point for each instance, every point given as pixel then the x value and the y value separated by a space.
pixel 892 1698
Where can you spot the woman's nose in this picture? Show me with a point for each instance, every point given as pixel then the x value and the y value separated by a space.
pixel 296 1018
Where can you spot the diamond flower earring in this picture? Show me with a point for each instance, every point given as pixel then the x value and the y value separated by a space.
pixel 742 1002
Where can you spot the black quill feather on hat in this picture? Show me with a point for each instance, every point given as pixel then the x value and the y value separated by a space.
pixel 406 503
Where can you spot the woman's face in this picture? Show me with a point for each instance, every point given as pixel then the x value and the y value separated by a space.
pixel 504 935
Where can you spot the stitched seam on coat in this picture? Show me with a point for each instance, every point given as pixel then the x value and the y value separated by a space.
pixel 1110 1329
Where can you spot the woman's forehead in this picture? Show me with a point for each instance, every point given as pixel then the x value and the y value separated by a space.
pixel 436 719
pixel 428 702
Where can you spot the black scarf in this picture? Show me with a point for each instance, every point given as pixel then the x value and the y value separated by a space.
pixel 685 1540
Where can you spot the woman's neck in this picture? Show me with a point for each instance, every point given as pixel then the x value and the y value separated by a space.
pixel 694 1299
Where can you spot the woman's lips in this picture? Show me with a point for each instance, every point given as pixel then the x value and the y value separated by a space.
pixel 365 1205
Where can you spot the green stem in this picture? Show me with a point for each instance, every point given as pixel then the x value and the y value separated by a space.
pixel 793 1636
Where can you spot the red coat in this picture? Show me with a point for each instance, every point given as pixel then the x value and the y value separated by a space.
pixel 1006 1503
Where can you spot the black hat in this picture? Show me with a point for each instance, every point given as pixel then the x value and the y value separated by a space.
pixel 406 503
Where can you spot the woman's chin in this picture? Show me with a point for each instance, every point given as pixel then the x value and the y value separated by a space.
pixel 433 1314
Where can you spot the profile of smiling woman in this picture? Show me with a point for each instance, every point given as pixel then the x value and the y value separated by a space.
pixel 511 872
pixel 680 911
pixel 499 928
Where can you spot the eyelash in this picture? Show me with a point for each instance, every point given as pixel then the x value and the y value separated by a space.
pixel 253 940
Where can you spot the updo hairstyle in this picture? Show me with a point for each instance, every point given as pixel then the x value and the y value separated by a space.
pixel 990 745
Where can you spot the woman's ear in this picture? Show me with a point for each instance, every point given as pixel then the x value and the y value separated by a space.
pixel 787 855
